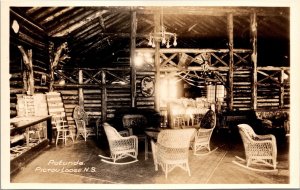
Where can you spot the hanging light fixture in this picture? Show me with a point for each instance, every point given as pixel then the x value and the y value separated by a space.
pixel 162 36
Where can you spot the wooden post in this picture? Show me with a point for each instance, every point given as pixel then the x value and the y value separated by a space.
pixel 80 90
pixel 51 55
pixel 103 97
pixel 231 61
pixel 31 77
pixel 55 60
pixel 28 77
pixel 281 97
pixel 132 57
pixel 157 63
pixel 253 33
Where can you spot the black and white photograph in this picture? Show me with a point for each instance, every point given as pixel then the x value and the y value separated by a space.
pixel 149 94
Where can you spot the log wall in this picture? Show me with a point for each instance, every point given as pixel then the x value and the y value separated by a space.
pixel 143 102
pixel 272 90
pixel 242 89
pixel 29 37
pixel 102 100
pixel 117 97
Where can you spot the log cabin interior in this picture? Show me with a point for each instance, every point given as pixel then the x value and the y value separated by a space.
pixel 169 64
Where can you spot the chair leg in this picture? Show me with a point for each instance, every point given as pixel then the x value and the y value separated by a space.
pixel 146 148
pixel 65 137
pixel 166 171
pixel 71 134
pixel 188 168
pixel 57 136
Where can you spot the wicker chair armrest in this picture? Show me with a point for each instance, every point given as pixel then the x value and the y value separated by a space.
pixel 124 133
pixel 265 137
pixel 259 142
pixel 203 132
pixel 131 140
pixel 135 138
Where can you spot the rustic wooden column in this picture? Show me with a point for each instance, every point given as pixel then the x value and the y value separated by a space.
pixel 132 57
pixel 231 61
pixel 55 61
pixel 28 77
pixel 103 97
pixel 157 63
pixel 253 33
pixel 80 90
pixel 51 55
pixel 281 96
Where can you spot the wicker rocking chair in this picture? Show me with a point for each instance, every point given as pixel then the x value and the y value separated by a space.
pixel 172 149
pixel 260 150
pixel 120 147
pixel 204 133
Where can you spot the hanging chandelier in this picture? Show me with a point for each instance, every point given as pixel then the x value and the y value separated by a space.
pixel 162 36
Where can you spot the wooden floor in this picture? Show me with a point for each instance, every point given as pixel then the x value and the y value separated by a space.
pixel 215 168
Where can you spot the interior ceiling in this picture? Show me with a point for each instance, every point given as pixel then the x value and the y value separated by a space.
pixel 101 35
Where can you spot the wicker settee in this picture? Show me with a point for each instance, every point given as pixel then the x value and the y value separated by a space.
pixel 275 122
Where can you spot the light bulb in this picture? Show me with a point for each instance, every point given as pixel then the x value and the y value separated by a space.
pixel 153 44
pixel 150 41
pixel 175 41
pixel 163 42
pixel 168 44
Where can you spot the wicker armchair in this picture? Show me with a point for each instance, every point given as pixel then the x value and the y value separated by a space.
pixel 79 113
pixel 172 149
pixel 260 150
pixel 82 130
pixel 204 133
pixel 120 147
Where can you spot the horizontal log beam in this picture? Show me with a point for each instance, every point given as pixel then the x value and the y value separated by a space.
pixel 195 68
pixel 17 91
pixel 177 50
pixel 39 28
pixel 271 68
pixel 92 86
pixel 41 87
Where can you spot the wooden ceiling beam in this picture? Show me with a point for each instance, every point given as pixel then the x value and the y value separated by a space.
pixel 44 13
pixel 52 17
pixel 217 11
pixel 118 19
pixel 64 18
pixel 32 10
pixel 101 22
pixel 74 24
pixel 84 30
pixel 27 20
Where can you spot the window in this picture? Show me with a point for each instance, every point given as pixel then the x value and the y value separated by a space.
pixel 215 92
